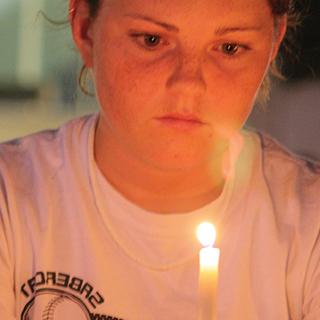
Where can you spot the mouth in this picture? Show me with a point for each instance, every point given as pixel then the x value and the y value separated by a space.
pixel 181 121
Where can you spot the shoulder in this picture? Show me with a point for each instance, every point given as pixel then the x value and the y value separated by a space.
pixel 44 143
pixel 293 182
pixel 41 154
pixel 281 164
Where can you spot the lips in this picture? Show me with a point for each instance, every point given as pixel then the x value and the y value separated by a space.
pixel 181 121
pixel 181 117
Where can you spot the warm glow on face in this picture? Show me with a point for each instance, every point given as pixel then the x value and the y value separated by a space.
pixel 144 87
pixel 206 234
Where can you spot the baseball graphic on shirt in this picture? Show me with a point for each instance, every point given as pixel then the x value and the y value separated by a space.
pixel 60 306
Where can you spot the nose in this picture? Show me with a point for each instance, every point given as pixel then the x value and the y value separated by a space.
pixel 187 76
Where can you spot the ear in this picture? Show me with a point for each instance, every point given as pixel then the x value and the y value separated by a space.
pixel 280 32
pixel 81 26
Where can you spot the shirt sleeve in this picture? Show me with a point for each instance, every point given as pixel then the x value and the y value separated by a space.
pixel 7 295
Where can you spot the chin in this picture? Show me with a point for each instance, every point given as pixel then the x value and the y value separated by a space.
pixel 178 162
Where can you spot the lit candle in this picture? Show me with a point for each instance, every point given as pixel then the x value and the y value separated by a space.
pixel 208 276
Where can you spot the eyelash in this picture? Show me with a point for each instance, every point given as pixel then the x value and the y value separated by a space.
pixel 141 35
pixel 239 47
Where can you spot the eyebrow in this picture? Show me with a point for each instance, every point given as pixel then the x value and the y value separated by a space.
pixel 170 27
pixel 165 25
pixel 223 31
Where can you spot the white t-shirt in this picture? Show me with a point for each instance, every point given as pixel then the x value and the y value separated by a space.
pixel 72 247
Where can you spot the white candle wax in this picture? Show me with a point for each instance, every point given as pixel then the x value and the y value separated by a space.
pixel 208 280
pixel 208 271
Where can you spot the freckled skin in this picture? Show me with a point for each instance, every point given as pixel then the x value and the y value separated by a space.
pixel 187 73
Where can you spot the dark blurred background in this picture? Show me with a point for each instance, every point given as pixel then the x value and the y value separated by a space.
pixel 293 114
pixel 305 63
pixel 39 68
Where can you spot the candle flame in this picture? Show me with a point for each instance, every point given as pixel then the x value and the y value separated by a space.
pixel 206 234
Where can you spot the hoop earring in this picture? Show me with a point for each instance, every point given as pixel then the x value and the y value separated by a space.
pixel 82 81
pixel 72 10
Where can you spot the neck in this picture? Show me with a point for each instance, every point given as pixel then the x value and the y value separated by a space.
pixel 154 189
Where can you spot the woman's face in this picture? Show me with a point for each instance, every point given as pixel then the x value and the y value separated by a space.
pixel 176 78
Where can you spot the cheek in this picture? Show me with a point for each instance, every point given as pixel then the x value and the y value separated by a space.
pixel 244 82
pixel 127 101
pixel 127 92
pixel 232 93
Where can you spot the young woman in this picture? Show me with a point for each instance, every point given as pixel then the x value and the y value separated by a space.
pixel 98 218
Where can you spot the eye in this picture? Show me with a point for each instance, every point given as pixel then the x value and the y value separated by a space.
pixel 151 40
pixel 230 48
pixel 147 40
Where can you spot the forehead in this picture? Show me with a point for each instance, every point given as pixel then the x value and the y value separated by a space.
pixel 197 12
pixel 173 7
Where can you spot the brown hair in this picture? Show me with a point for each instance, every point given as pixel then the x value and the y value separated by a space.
pixel 280 8
pixel 93 7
